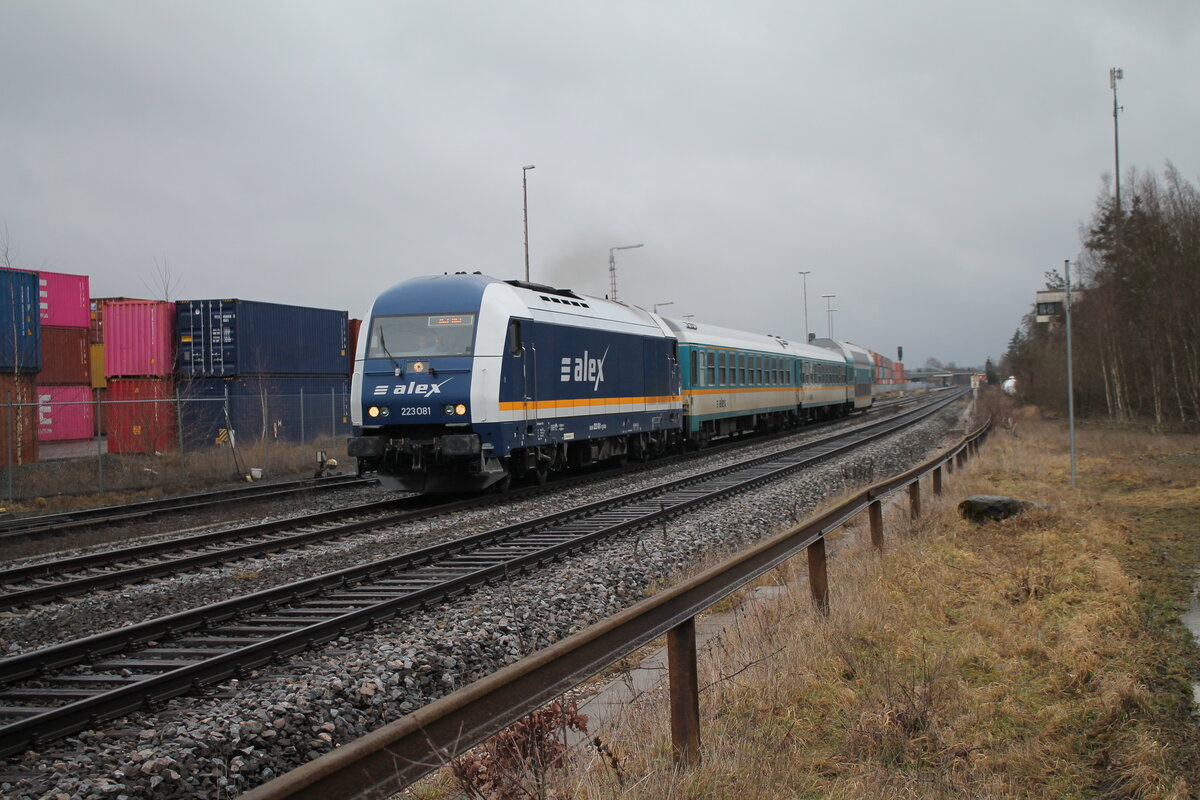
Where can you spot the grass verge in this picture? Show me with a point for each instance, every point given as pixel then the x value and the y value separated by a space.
pixel 1037 657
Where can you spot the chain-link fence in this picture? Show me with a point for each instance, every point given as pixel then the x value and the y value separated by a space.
pixel 64 444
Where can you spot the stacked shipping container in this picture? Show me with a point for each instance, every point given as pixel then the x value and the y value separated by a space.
pixel 20 359
pixel 65 408
pixel 138 365
pixel 263 370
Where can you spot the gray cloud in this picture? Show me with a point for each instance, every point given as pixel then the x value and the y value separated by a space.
pixel 928 161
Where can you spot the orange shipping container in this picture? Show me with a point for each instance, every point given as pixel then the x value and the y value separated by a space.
pixel 97 365
pixel 18 419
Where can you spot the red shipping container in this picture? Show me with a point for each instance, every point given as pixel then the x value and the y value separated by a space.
pixel 66 357
pixel 352 330
pixel 18 420
pixel 65 413
pixel 138 336
pixel 139 416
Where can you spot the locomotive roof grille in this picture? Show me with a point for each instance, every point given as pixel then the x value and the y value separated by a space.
pixel 564 302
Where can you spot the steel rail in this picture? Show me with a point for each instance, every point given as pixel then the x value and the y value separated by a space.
pixel 314 624
pixel 52 581
pixel 399 753
pixel 51 524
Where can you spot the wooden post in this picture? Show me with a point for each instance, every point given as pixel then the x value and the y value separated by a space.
pixel 937 480
pixel 685 693
pixel 818 578
pixel 875 515
pixel 949 466
pixel 914 498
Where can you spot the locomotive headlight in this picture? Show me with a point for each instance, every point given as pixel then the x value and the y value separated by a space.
pixel 377 411
pixel 448 410
pixel 460 409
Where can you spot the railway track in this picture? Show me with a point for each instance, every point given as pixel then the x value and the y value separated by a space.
pixel 59 690
pixel 49 525
pixel 56 580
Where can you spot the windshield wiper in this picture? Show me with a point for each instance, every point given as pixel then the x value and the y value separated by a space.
pixel 391 358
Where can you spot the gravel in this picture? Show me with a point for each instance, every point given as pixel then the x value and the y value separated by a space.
pixel 245 732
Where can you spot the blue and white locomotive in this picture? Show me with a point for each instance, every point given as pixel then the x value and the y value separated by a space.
pixel 464 382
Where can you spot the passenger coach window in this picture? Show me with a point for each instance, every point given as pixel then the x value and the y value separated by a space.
pixel 695 368
pixel 712 368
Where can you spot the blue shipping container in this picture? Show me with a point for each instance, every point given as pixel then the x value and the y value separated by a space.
pixel 227 338
pixel 279 407
pixel 20 322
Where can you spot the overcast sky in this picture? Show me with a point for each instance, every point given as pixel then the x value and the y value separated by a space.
pixel 926 161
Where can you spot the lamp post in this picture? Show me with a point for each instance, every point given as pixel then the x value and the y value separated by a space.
pixel 804 277
pixel 829 313
pixel 525 206
pixel 612 267
pixel 1070 377
pixel 1115 74
pixel 657 306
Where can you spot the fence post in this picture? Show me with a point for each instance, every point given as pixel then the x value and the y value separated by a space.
pixel 685 692
pixel 818 578
pixel 937 480
pixel 9 465
pixel 99 442
pixel 914 498
pixel 179 421
pixel 332 416
pixel 302 437
pixel 875 515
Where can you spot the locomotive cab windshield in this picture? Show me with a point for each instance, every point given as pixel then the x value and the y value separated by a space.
pixel 408 335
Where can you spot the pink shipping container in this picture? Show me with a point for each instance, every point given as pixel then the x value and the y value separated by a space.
pixel 138 336
pixel 65 299
pixel 97 315
pixel 65 413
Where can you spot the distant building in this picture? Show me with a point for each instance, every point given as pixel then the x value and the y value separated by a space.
pixel 1051 305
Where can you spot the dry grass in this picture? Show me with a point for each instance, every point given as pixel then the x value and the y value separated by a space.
pixel 106 479
pixel 1018 659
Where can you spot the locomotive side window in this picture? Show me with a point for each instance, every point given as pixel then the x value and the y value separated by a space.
pixel 712 368
pixel 514 338
pixel 408 335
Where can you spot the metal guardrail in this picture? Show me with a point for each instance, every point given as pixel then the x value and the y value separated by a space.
pixel 403 751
